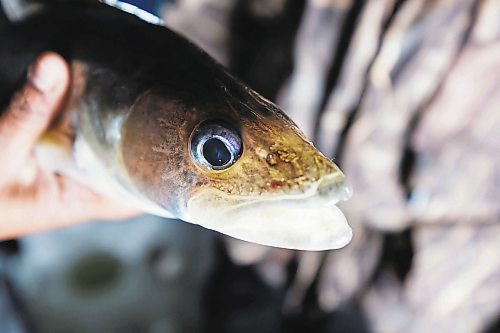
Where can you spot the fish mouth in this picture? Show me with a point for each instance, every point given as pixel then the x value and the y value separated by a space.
pixel 308 221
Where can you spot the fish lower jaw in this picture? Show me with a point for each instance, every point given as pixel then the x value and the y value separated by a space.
pixel 305 222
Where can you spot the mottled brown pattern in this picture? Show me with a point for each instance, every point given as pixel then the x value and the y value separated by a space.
pixel 276 157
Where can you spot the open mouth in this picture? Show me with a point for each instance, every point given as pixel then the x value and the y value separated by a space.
pixel 310 221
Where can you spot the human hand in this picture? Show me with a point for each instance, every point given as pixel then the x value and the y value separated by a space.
pixel 33 199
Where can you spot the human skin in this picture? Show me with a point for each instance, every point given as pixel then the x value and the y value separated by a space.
pixel 33 199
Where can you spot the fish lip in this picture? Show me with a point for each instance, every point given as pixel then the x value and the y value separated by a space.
pixel 334 188
pixel 301 221
pixel 310 197
pixel 343 191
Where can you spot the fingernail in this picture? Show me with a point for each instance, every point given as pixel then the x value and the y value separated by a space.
pixel 43 74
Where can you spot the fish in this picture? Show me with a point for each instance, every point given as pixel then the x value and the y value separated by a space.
pixel 155 122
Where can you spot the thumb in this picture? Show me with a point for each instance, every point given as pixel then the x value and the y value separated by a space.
pixel 31 111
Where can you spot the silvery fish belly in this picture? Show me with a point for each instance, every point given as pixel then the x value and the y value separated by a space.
pixel 154 121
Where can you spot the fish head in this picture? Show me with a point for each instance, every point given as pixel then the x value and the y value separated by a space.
pixel 158 117
pixel 237 164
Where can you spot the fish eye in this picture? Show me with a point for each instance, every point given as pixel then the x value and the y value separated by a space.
pixel 215 145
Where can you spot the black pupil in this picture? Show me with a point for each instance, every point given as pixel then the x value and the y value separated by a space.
pixel 216 152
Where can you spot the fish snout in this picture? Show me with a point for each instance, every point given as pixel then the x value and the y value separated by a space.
pixel 333 188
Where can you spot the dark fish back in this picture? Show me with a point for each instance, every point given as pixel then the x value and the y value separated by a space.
pixel 127 55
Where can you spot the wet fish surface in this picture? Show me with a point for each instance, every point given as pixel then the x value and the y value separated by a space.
pixel 152 120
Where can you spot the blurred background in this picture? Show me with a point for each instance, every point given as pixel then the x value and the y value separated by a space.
pixel 404 95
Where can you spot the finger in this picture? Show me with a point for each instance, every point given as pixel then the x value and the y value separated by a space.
pixel 55 202
pixel 83 204
pixel 31 111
